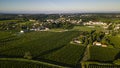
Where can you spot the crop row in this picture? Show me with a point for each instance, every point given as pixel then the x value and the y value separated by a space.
pixel 70 54
pixel 37 43
pixel 103 54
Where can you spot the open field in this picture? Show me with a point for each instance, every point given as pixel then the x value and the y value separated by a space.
pixel 87 28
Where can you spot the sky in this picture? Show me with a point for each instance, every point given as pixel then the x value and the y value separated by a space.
pixel 59 6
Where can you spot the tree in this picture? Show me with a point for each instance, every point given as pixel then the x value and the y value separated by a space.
pixel 86 42
pixel 28 55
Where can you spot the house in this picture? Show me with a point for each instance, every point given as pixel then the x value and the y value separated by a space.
pixel 117 28
pixel 104 45
pixel 21 31
pixel 76 41
pixel 31 20
pixel 94 23
pixel 46 29
pixel 97 44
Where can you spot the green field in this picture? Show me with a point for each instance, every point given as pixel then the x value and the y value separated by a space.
pixel 70 54
pixel 87 28
pixel 8 21
pixel 51 48
pixel 40 44
pixel 89 64
pixel 103 54
pixel 36 43
pixel 24 63
pixel 115 41
pixel 4 35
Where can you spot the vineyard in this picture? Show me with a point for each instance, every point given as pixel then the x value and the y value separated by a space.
pixel 24 63
pixel 103 54
pixel 70 54
pixel 102 66
pixel 36 43
pixel 114 40
pixel 4 35
pixel 42 44
pixel 50 49
pixel 94 64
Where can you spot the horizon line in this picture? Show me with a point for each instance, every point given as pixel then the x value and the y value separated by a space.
pixel 56 12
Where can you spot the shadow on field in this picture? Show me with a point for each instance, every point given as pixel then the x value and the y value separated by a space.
pixel 49 51
pixel 59 63
pixel 117 56
pixel 39 58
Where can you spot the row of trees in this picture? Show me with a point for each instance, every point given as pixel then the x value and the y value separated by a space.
pixel 93 36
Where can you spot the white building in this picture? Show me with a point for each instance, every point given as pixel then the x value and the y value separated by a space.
pixel 21 31
pixel 94 23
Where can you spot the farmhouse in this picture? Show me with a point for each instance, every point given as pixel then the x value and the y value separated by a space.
pixel 75 40
pixel 21 31
pixel 32 20
pixel 104 45
pixel 99 44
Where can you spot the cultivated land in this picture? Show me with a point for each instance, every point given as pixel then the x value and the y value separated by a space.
pixel 60 41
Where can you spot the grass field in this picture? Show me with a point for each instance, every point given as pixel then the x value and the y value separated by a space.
pixel 86 28
pixel 8 21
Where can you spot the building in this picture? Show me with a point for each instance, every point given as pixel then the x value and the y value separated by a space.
pixel 99 44
pixel 21 31
pixel 94 23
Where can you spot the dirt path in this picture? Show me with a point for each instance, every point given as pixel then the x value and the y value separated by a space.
pixel 86 56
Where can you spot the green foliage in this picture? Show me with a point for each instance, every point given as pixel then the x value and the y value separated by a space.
pixel 102 66
pixel 70 54
pixel 86 28
pixel 37 43
pixel 65 25
pixel 28 55
pixel 117 62
pixel 115 41
pixel 24 63
pixel 103 54
pixel 4 35
pixel 92 64
pixel 92 37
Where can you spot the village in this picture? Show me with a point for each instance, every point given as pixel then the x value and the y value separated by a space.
pixel 58 23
